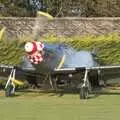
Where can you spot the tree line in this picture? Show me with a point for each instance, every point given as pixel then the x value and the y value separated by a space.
pixel 61 8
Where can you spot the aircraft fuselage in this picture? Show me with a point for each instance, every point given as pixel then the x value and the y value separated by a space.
pixel 61 56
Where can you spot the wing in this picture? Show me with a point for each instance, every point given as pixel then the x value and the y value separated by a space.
pixel 69 70
pixel 21 73
pixel 5 70
pixel 106 72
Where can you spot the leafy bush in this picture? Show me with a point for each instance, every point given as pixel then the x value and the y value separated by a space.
pixel 10 52
pixel 107 46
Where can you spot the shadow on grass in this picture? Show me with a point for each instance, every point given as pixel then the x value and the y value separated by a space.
pixel 50 92
pixel 54 92
pixel 93 96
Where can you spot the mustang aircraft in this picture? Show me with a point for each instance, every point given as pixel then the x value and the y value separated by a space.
pixel 59 64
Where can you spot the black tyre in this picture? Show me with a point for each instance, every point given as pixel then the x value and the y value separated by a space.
pixel 83 93
pixel 8 91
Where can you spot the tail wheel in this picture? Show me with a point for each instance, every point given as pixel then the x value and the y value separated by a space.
pixel 9 90
pixel 83 93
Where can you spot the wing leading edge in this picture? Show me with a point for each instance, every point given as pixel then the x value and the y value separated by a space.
pixel 105 71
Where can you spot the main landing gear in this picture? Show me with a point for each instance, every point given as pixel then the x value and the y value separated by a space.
pixel 85 87
pixel 10 86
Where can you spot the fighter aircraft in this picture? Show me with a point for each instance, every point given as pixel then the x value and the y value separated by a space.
pixel 60 64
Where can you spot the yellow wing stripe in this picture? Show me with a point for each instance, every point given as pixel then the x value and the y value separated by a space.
pixel 61 62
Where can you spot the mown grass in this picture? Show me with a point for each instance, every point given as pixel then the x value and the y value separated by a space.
pixel 39 106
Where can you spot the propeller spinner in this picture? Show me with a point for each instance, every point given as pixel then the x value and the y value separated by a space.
pixel 33 50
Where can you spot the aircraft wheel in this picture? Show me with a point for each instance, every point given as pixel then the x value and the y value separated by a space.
pixel 83 93
pixel 9 91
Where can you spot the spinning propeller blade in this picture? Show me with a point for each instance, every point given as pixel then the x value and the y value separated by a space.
pixel 1 32
pixel 45 14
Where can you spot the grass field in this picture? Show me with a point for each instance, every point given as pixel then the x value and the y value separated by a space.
pixel 41 106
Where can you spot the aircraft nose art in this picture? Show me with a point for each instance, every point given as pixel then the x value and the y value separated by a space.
pixel 34 51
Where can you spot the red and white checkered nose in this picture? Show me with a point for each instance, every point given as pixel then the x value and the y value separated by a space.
pixel 35 59
pixel 33 50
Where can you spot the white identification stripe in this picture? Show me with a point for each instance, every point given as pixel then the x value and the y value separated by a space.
pixel 103 67
pixel 6 66
pixel 90 68
pixel 65 69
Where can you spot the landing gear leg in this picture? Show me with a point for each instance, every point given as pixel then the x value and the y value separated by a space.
pixel 84 89
pixel 83 93
pixel 10 86
pixel 9 91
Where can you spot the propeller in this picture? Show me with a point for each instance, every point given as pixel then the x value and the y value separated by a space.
pixel 34 48
pixel 45 14
pixel 2 32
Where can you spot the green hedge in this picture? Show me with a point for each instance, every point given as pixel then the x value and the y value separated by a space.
pixel 10 52
pixel 106 46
